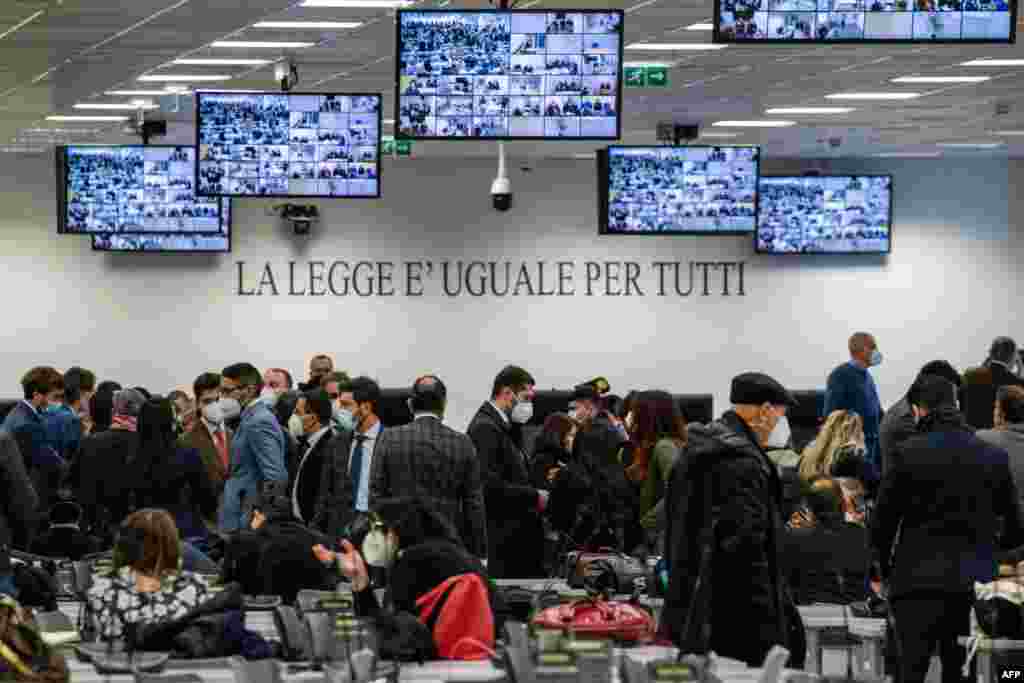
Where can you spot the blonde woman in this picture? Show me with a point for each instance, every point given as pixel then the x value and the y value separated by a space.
pixel 841 437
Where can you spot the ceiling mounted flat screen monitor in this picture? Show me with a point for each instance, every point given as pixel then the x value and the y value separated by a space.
pixel 852 21
pixel 288 145
pixel 169 242
pixel 132 189
pixel 509 75
pixel 679 190
pixel 825 215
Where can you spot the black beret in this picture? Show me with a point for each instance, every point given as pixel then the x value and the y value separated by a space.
pixel 755 388
pixel 584 392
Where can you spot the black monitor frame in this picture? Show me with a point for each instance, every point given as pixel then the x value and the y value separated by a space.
pixel 892 226
pixel 380 145
pixel 398 73
pixel 716 36
pixel 604 189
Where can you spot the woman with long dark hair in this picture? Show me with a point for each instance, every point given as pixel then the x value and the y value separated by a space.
pixel 169 477
pixel 101 406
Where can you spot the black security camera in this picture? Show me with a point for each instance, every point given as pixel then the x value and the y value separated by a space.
pixel 301 217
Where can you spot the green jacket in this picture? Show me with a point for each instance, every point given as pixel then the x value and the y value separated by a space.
pixel 652 493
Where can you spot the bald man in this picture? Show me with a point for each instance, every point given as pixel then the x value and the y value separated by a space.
pixel 851 387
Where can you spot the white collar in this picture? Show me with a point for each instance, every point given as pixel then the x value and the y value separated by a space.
pixel 426 414
pixel 500 412
pixel 372 433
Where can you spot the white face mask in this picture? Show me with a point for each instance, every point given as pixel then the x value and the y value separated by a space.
pixel 295 426
pixel 380 549
pixel 522 412
pixel 212 413
pixel 229 408
pixel 779 438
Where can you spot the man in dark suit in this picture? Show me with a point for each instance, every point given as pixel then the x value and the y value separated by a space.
pixel 210 437
pixel 345 482
pixel 64 422
pixel 978 393
pixel 319 366
pixel 314 410
pixel 899 424
pixel 431 462
pixel 101 490
pixel 515 535
pixel 18 508
pixel 42 387
pixel 940 506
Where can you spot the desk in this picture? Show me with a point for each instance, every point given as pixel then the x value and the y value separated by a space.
pixel 983 656
pixel 817 619
pixel 871 633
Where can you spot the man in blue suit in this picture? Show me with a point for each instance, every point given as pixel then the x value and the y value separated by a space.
pixel 851 387
pixel 259 447
pixel 42 387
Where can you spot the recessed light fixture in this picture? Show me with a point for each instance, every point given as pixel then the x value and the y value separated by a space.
pixel 117 106
pixel 703 26
pixel 309 24
pixel 907 155
pixel 1009 133
pixel 873 96
pixel 389 122
pixel 675 47
pixel 941 79
pixel 260 44
pixel 754 124
pixel 583 156
pixel 809 110
pixel 970 145
pixel 63 131
pixel 358 4
pixel 994 62
pixel 711 135
pixel 87 118
pixel 156 78
pixel 147 93
pixel 222 62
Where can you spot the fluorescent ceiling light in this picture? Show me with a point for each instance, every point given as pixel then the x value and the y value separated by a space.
pixel 703 26
pixel 970 145
pixel 117 106
pixel 675 47
pixel 358 4
pixel 584 156
pixel 87 118
pixel 809 110
pixel 389 122
pixel 63 131
pixel 721 136
pixel 941 79
pixel 309 24
pixel 222 62
pixel 873 96
pixel 994 62
pixel 908 155
pixel 662 65
pixel 258 44
pixel 156 78
pixel 147 93
pixel 22 24
pixel 1009 133
pixel 754 124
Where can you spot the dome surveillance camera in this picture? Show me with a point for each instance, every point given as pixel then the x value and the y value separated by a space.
pixel 501 194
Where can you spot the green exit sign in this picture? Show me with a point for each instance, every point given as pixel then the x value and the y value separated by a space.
pixel 657 77
pixel 387 147
pixel 646 76
pixel 636 76
pixel 403 148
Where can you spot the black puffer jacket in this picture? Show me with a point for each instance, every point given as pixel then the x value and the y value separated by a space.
pixel 18 504
pixel 724 461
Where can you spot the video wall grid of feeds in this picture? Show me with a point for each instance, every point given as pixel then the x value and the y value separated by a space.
pixel 169 242
pixel 873 21
pixel 825 215
pixel 509 74
pixel 288 144
pixel 132 189
pixel 703 190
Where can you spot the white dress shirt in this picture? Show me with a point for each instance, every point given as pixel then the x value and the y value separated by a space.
pixel 370 438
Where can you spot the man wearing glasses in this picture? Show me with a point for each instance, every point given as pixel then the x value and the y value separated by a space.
pixel 259 447
pixel 515 536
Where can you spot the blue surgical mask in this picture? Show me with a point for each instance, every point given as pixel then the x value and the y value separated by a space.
pixel 51 408
pixel 343 420
pixel 876 358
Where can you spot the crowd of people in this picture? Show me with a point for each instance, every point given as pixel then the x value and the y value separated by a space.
pixel 282 487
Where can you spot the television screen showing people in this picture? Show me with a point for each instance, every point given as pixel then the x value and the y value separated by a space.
pixel 134 189
pixel 859 20
pixel 157 242
pixel 288 145
pixel 682 190
pixel 509 74
pixel 825 215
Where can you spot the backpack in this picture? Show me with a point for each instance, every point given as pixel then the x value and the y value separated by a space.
pixel 24 656
pixel 459 616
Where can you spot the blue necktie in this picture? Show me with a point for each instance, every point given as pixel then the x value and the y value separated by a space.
pixel 357 467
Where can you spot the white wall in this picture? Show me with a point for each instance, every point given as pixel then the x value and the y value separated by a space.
pixel 159 320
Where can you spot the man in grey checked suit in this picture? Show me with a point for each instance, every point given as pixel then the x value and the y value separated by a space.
pixel 431 462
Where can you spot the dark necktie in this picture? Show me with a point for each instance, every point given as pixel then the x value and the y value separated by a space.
pixel 357 466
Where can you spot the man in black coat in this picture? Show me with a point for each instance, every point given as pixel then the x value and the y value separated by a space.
pixel 899 424
pixel 725 475
pixel 314 409
pixel 515 535
pixel 18 508
pixel 978 393
pixel 433 463
pixel 935 527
